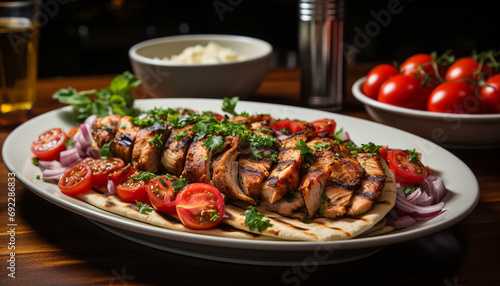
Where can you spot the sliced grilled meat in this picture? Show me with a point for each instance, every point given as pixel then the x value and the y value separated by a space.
pixel 225 173
pixel 286 206
pixel 345 179
pixel 313 182
pixel 123 142
pixel 176 148
pixel 105 129
pixel 285 175
pixel 146 152
pixel 371 184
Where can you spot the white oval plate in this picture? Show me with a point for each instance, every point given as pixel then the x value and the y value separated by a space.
pixel 459 179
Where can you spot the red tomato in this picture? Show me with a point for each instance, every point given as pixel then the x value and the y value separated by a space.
pixel 133 190
pixel 200 206
pixel 287 126
pixel 406 172
pixel 383 150
pixel 48 145
pixel 101 168
pixel 468 68
pixel 77 180
pixel 73 131
pixel 161 194
pixel 455 97
pixel 121 175
pixel 403 90
pixel 422 63
pixel 324 125
pixel 376 77
pixel 491 94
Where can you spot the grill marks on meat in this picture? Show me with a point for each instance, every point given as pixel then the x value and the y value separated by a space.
pixel 105 129
pixel 146 154
pixel 285 175
pixel 345 178
pixel 371 185
pixel 198 164
pixel 123 142
pixel 225 173
pixel 314 180
pixel 286 206
pixel 175 150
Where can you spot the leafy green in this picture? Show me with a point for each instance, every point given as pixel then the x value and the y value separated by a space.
pixel 114 99
pixel 229 104
pixel 156 140
pixel 105 150
pixel 179 135
pixel 370 147
pixel 214 143
pixel 306 152
pixel 35 161
pixel 147 176
pixel 253 219
pixel 179 184
pixel 306 219
pixel 143 208
pixel 413 155
pixel 320 146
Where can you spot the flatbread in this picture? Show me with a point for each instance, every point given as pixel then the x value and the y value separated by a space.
pixel 284 228
pixel 320 229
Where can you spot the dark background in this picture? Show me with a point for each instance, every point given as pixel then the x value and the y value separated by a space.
pixel 93 37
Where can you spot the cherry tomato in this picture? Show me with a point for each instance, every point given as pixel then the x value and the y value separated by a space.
pixel 73 131
pixel 376 77
pixel 121 175
pixel 76 180
pixel 287 126
pixel 48 145
pixel 383 150
pixel 200 206
pixel 403 90
pixel 101 168
pixel 468 68
pixel 422 63
pixel 324 125
pixel 161 194
pixel 133 189
pixel 455 97
pixel 491 94
pixel 406 172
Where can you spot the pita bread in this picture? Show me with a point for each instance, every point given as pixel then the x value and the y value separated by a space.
pixel 284 228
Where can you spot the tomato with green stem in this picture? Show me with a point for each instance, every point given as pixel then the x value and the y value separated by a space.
pixel 468 68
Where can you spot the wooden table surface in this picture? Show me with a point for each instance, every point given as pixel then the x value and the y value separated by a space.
pixel 54 246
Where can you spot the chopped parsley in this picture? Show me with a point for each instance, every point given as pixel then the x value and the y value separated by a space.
pixel 306 152
pixel 289 196
pixel 321 146
pixel 214 143
pixel 105 151
pixel 229 105
pixel 285 131
pixel 147 176
pixel 258 140
pixel 180 135
pixel 156 140
pixel 340 134
pixel 413 155
pixel 69 143
pixel 143 208
pixel 306 219
pixel 35 161
pixel 123 126
pixel 253 219
pixel 370 148
pixel 408 190
pixel 179 184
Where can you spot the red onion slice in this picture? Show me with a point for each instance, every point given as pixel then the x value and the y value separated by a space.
pixel 51 165
pixel 70 157
pixel 54 174
pixel 414 195
pixel 90 121
pixel 404 221
pixel 111 187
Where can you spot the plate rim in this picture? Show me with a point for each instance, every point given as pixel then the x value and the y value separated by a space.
pixel 132 225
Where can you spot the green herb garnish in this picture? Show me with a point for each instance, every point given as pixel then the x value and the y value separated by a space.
pixel 147 176
pixel 179 135
pixel 179 184
pixel 156 140
pixel 253 219
pixel 413 155
pixel 321 146
pixel 35 161
pixel 143 208
pixel 306 152
pixel 105 151
pixel 229 104
pixel 306 219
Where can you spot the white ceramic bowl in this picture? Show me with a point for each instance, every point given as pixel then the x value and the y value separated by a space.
pixel 470 131
pixel 237 78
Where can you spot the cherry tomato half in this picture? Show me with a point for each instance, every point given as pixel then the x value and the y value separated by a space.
pixel 48 145
pixel 403 90
pixel 383 150
pixel 200 206
pixel 133 189
pixel 122 174
pixel 455 97
pixel 76 180
pixel 406 172
pixel 324 125
pixel 161 194
pixel 376 77
pixel 467 68
pixel 491 94
pixel 101 168
pixel 287 126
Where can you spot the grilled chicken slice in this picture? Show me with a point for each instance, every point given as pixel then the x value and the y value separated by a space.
pixel 285 175
pixel 175 150
pixel 371 184
pixel 225 173
pixel 344 180
pixel 287 205
pixel 313 182
pixel 105 129
pixel 198 165
pixel 146 152
pixel 123 142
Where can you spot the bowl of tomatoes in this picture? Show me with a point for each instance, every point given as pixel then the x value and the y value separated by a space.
pixel 456 104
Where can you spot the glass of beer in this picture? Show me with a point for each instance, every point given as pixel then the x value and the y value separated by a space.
pixel 19 36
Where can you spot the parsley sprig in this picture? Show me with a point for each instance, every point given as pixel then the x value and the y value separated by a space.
pixel 143 208
pixel 253 219
pixel 306 152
